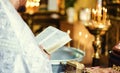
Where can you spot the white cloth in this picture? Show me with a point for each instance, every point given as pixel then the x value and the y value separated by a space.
pixel 19 52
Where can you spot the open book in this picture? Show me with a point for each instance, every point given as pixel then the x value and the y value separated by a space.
pixel 52 39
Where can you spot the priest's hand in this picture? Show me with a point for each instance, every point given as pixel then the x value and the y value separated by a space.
pixel 44 51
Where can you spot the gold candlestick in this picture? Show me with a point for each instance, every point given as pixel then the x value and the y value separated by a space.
pixel 98 27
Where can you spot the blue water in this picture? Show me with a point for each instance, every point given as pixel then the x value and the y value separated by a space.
pixel 65 54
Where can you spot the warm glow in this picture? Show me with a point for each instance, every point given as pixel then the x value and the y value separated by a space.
pixel 101 26
pixel 68 31
pixel 104 14
pixel 104 9
pixel 80 33
pixel 86 36
pixel 94 11
pixel 93 14
pixel 32 3
pixel 32 6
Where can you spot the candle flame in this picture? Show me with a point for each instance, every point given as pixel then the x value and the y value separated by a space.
pixel 104 9
pixel 94 11
pixel 80 33
pixel 86 36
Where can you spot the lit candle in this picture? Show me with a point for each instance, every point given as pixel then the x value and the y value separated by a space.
pixel 104 14
pixel 68 32
pixel 99 8
pixel 80 34
pixel 93 14
pixel 99 15
pixel 84 46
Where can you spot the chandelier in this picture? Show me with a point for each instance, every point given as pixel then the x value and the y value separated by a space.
pixel 32 3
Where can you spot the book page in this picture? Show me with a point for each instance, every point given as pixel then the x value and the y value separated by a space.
pixel 52 39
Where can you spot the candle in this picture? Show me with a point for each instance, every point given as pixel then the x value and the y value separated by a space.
pixel 93 14
pixel 98 15
pixel 80 34
pixel 68 32
pixel 99 8
pixel 99 3
pixel 86 40
pixel 104 14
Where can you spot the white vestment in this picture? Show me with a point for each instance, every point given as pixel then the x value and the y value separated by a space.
pixel 19 52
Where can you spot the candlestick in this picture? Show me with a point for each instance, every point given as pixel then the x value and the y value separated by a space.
pixel 98 27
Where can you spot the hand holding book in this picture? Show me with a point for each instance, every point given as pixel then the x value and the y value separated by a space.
pixel 52 39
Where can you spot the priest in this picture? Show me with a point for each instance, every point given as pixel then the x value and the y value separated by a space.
pixel 19 52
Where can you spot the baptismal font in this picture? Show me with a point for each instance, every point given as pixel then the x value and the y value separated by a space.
pixel 98 25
